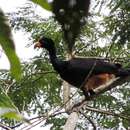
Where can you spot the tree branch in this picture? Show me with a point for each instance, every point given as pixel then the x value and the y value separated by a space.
pixel 103 88
pixel 71 121
pixel 37 120
pixel 5 127
pixel 107 113
pixel 109 85
pixel 92 123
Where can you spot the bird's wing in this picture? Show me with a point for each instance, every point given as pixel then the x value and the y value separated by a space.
pixel 97 66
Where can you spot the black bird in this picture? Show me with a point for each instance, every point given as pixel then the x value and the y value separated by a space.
pixel 75 70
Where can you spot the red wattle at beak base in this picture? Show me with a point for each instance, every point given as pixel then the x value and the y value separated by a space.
pixel 37 45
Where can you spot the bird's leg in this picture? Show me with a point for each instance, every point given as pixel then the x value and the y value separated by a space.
pixel 88 93
pixel 91 91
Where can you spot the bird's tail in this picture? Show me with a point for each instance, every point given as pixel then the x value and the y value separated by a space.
pixel 123 72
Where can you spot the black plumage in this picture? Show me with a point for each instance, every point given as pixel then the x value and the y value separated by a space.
pixel 75 70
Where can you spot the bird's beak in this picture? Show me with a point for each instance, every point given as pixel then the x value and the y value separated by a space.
pixel 37 45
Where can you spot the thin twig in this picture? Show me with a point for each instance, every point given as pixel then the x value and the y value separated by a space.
pixel 45 72
pixel 109 49
pixel 85 46
pixel 107 113
pixel 33 125
pixel 78 107
pixel 5 127
pixel 43 119
pixel 87 77
pixel 117 57
pixel 38 120
pixel 92 123
pixel 9 86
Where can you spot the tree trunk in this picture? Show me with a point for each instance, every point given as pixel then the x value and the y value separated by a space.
pixel 66 95
pixel 71 121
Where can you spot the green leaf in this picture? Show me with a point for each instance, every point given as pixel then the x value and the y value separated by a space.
pixel 117 6
pixel 8 109
pixel 7 44
pixel 44 4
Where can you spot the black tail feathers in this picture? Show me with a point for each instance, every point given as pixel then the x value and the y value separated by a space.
pixel 123 72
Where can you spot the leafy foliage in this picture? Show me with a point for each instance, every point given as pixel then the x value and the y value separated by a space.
pixel 8 46
pixel 43 3
pixel 57 123
pixel 40 89
pixel 7 108
pixel 71 15
pixel 35 86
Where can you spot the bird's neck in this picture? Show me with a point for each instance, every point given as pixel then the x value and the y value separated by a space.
pixel 52 54
pixel 57 64
pixel 54 59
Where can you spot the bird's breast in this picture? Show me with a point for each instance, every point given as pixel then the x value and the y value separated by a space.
pixel 75 79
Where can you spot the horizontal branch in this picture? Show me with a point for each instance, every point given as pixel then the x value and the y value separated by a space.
pixel 103 88
pixel 37 120
pixel 107 113
pixel 108 86
pixel 5 127
pixel 44 72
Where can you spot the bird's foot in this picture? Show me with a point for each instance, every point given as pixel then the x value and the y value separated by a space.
pixel 89 93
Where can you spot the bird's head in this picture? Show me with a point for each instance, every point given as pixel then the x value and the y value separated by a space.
pixel 44 42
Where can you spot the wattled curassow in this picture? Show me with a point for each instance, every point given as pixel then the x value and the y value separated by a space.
pixel 75 70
